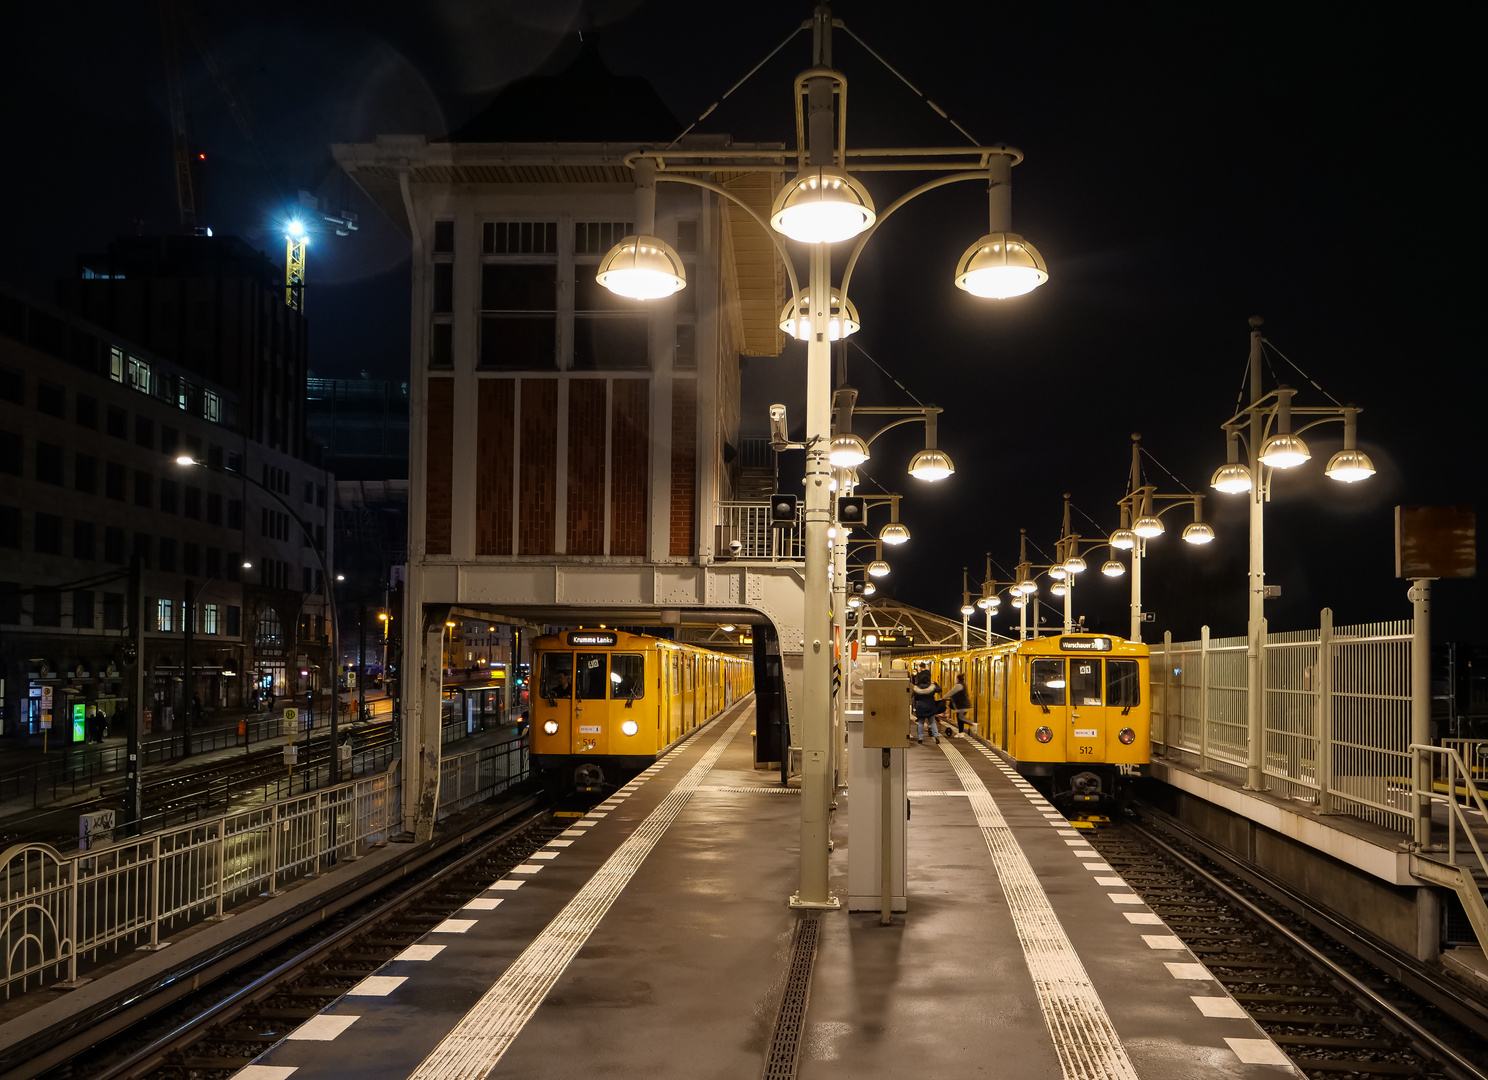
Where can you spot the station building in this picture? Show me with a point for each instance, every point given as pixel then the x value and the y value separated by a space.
pixel 572 453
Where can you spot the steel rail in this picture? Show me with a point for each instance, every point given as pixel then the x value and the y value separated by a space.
pixel 146 1058
pixel 1368 994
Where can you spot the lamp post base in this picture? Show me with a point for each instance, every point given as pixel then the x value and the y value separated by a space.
pixel 831 903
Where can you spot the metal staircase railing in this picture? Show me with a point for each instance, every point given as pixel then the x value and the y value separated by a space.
pixel 1463 880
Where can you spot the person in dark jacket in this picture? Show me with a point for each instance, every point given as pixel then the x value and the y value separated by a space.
pixel 960 699
pixel 927 705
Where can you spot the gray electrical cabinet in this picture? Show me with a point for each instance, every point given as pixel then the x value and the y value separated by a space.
pixel 882 728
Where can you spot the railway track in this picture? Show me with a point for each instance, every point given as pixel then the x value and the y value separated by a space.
pixel 222 1024
pixel 1333 1012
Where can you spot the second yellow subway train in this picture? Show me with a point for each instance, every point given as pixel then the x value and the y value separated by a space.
pixel 1071 712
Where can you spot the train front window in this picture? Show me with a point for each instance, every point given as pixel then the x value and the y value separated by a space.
pixel 1047 677
pixel 556 680
pixel 1085 681
pixel 590 682
pixel 1123 683
pixel 627 676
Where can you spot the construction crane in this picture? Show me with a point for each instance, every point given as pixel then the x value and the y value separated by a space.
pixel 297 239
pixel 177 17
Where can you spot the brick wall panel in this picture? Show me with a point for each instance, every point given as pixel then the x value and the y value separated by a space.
pixel 439 466
pixel 493 466
pixel 684 467
pixel 539 471
pixel 630 465
pixel 586 466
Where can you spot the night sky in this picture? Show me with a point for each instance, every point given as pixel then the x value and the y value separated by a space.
pixel 1187 167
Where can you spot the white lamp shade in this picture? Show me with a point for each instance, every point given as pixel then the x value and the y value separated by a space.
pixel 1059 588
pixel 967 609
pixel 1074 564
pixel 878 568
pixel 869 588
pixel 642 268
pixel 931 465
pixel 1058 573
pixel 1027 587
pixel 854 602
pixel 1350 466
pixel 1113 568
pixel 1018 602
pixel 984 603
pixel 999 266
pixel 847 451
pixel 1284 451
pixel 1147 527
pixel 822 205
pixel 894 534
pixel 1124 539
pixel 1232 479
pixel 795 319
pixel 1198 532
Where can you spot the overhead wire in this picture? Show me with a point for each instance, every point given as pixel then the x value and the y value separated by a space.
pixel 893 71
pixel 706 112
pixel 1148 454
pixel 886 372
pixel 1304 374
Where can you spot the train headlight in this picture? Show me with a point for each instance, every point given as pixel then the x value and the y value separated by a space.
pixel 1044 734
pixel 1127 736
pixel 550 727
pixel 630 727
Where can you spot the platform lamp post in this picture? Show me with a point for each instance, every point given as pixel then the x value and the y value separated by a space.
pixel 1265 429
pixel 186 461
pixel 824 204
pixel 1069 562
pixel 1141 509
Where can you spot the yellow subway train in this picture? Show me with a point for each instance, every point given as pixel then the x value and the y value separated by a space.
pixel 606 703
pixel 1071 712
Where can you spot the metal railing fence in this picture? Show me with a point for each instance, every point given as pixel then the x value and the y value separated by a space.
pixel 1335 722
pixel 59 911
pixel 749 524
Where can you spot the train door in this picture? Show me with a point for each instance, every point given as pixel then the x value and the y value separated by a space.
pixel 1048 710
pixel 1087 710
pixel 591 700
pixel 674 700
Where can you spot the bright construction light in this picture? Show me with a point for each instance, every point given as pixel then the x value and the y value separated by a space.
pixel 894 534
pixel 795 319
pixel 878 568
pixel 1284 451
pixel 1124 539
pixel 642 268
pixel 1074 564
pixel 1147 527
pixel 1232 479
pixel 847 451
pixel 1198 533
pixel 1349 466
pixel 931 465
pixel 296 230
pixel 822 205
pixel 1113 568
pixel 185 459
pixel 1000 266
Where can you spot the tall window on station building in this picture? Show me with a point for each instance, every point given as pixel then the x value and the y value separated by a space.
pixel 519 296
pixel 442 329
pixel 611 333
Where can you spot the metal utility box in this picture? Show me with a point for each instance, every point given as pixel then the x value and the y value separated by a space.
pixel 866 790
pixel 291 754
pixel 886 713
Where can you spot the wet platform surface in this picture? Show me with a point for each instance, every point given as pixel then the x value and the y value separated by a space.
pixel 656 938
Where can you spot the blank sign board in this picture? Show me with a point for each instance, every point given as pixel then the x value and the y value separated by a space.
pixel 1435 542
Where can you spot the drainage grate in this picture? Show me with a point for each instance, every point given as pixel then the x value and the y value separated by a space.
pixel 783 1057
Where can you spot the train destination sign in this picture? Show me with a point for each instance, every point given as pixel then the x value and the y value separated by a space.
pixel 592 637
pixel 1085 644
pixel 873 640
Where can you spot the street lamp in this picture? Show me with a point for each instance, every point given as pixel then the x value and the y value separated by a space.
pixel 187 461
pixel 1265 426
pixel 822 205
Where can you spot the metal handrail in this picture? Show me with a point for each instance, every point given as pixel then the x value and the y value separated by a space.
pixel 1457 811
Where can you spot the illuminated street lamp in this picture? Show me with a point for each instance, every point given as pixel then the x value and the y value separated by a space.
pixel 822 205
pixel 1265 427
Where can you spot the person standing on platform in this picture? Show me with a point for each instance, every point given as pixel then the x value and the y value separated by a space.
pixel 960 700
pixel 927 705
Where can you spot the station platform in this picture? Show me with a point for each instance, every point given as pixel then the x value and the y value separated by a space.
pixel 654 937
